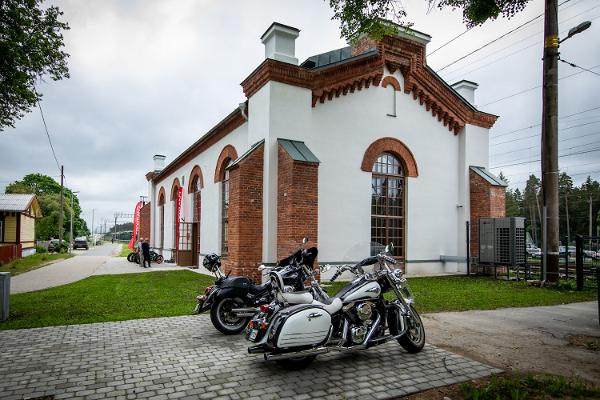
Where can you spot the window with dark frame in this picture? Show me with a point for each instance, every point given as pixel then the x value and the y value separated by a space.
pixel 196 198
pixel 387 204
pixel 162 226
pixel 225 209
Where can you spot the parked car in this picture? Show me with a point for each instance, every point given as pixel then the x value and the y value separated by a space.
pixel 533 250
pixel 81 243
pixel 54 246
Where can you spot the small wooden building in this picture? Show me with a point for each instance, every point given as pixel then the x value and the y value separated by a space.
pixel 17 225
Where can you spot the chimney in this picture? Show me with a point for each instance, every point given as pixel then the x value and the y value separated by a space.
pixel 159 162
pixel 279 41
pixel 466 89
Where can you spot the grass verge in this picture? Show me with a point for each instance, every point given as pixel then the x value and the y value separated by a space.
pixel 124 250
pixel 108 298
pixel 32 262
pixel 461 293
pixel 514 386
pixel 170 293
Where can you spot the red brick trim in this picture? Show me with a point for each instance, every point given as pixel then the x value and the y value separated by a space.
pixel 397 54
pixel 390 80
pixel 228 153
pixel 218 132
pixel 176 185
pixel 196 172
pixel 486 201
pixel 161 197
pixel 394 146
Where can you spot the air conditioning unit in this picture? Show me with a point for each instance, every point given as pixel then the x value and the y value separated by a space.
pixel 502 241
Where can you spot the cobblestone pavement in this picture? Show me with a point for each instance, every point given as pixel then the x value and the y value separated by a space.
pixel 185 357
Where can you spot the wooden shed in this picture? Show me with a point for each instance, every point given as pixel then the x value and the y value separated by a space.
pixel 17 225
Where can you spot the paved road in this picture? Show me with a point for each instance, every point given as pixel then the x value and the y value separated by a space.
pixel 187 357
pixel 525 339
pixel 103 250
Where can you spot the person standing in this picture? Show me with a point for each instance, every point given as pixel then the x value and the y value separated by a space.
pixel 145 253
pixel 140 251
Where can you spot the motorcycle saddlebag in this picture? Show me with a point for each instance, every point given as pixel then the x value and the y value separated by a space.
pixel 301 325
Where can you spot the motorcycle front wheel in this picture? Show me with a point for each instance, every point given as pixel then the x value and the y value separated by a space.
pixel 224 319
pixel 130 257
pixel 159 259
pixel 414 338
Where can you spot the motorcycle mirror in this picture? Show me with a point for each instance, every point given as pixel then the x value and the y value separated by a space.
pixel 387 248
pixel 261 267
pixel 324 268
pixel 304 240
pixel 391 246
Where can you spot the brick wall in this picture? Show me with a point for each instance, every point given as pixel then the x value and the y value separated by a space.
pixel 487 201
pixel 362 45
pixel 297 203
pixel 245 216
pixel 145 222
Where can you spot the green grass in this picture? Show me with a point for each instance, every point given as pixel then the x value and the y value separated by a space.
pixel 124 250
pixel 460 293
pixel 32 262
pixel 108 298
pixel 530 387
pixel 162 294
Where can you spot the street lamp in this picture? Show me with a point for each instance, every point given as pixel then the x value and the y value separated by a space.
pixel 71 229
pixel 550 233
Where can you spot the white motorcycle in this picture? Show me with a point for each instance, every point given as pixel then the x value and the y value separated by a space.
pixel 356 318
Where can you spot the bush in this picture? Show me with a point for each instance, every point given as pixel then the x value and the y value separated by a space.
pixel 41 249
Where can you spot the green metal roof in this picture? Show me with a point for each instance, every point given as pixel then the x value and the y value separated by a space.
pixel 488 176
pixel 298 150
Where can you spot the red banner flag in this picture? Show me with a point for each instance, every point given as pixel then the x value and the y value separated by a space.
pixel 136 224
pixel 178 216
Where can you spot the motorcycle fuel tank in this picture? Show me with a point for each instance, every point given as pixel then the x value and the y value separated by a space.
pixel 306 326
pixel 370 290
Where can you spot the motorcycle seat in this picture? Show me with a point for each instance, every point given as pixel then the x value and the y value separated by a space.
pixel 296 297
pixel 254 289
pixel 332 306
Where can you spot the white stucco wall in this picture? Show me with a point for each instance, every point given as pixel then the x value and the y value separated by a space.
pixel 210 227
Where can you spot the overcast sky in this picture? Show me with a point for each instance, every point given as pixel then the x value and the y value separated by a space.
pixel 151 77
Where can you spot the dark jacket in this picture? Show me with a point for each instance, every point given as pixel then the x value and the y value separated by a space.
pixel 146 250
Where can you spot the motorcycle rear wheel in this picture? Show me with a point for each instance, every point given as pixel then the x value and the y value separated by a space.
pixel 159 259
pixel 296 363
pixel 222 318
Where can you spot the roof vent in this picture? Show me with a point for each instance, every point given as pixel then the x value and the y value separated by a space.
pixel 159 162
pixel 279 41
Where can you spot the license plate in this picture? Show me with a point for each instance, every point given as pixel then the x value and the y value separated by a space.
pixel 253 334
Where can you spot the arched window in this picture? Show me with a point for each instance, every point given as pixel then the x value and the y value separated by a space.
pixel 196 199
pixel 387 204
pixel 225 208
pixel 174 194
pixel 161 218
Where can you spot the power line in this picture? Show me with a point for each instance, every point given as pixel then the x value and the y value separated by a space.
pixel 48 134
pixel 577 66
pixel 536 135
pixel 533 88
pixel 448 42
pixel 561 140
pixel 530 161
pixel 491 42
pixel 514 30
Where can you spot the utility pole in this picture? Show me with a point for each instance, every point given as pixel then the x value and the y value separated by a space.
pixel 549 154
pixel 71 229
pixel 60 216
pixel 567 212
pixel 590 233
pixel 93 237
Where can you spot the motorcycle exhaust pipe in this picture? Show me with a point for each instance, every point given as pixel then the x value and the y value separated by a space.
pixel 245 312
pixel 297 354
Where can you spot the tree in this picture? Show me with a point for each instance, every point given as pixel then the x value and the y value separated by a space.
pixel 373 17
pixel 47 191
pixel 531 206
pixel 31 47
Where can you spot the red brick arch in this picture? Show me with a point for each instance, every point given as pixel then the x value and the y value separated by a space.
pixel 196 172
pixel 228 153
pixel 393 146
pixel 176 185
pixel 161 197
pixel 390 80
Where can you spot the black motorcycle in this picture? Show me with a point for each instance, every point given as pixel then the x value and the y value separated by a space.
pixel 134 257
pixel 234 300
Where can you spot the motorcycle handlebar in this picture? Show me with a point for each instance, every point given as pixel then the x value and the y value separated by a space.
pixel 336 275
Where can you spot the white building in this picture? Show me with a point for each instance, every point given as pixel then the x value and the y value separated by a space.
pixel 359 145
